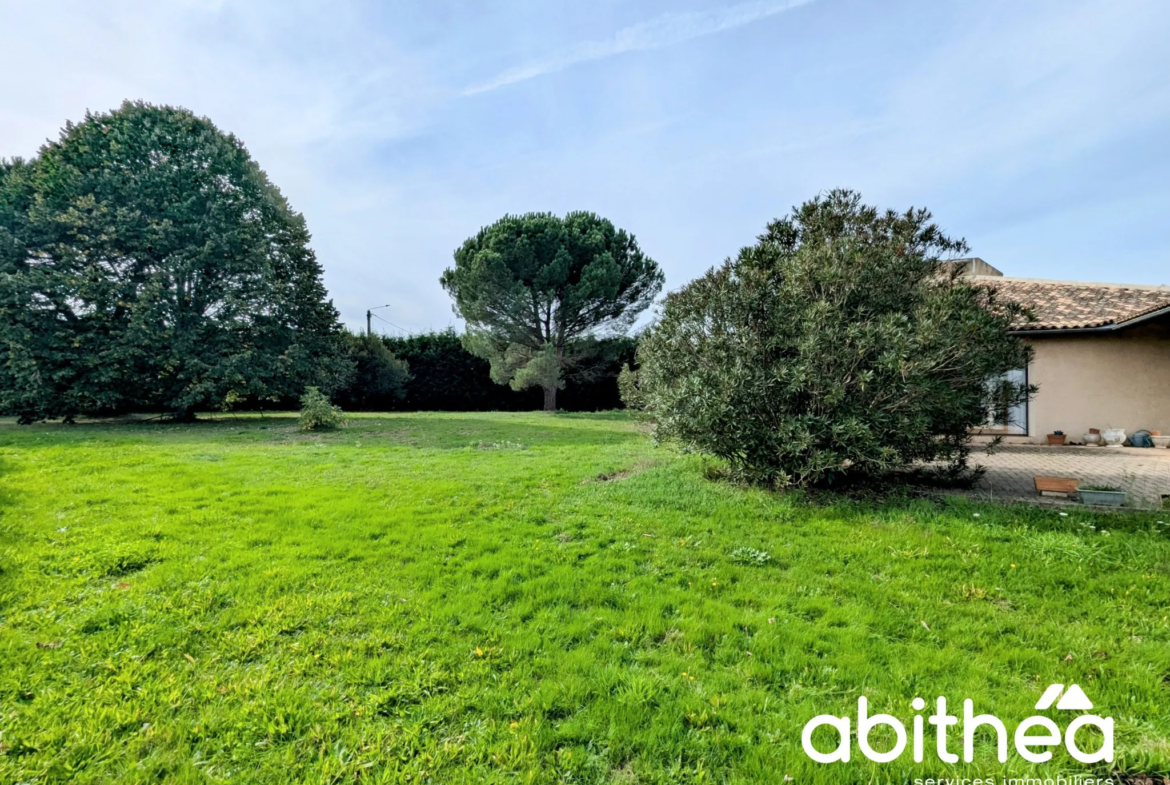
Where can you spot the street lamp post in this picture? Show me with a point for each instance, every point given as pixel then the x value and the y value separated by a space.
pixel 369 315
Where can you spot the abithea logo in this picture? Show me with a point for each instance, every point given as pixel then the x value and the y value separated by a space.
pixel 1029 744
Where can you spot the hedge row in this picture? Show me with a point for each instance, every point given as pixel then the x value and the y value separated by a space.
pixel 446 377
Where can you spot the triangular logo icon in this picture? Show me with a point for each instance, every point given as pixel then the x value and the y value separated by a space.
pixel 1075 699
pixel 1049 697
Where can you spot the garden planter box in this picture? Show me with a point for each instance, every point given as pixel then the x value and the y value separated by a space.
pixel 1054 438
pixel 1055 486
pixel 1104 498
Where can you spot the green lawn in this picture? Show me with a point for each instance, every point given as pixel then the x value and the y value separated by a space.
pixel 525 598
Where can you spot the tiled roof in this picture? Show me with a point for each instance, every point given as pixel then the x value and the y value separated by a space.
pixel 1068 305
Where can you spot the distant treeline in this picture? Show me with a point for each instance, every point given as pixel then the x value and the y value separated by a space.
pixel 148 265
pixel 446 377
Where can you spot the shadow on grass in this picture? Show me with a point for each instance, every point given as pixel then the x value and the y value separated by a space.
pixel 496 431
pixel 425 430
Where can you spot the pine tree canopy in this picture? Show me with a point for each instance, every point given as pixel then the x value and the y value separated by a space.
pixel 535 288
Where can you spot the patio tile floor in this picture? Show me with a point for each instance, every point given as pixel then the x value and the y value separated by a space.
pixel 1143 473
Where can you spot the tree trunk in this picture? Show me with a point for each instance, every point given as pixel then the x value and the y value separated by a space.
pixel 184 414
pixel 550 399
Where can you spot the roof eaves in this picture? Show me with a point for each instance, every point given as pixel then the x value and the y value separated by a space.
pixel 1107 325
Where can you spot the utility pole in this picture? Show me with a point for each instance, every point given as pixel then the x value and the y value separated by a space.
pixel 369 314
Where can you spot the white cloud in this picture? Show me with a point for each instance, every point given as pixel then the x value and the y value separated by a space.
pixel 989 113
pixel 290 75
pixel 662 31
pixel 309 88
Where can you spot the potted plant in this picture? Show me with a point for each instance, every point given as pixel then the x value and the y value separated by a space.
pixel 1104 495
pixel 1093 436
pixel 1114 437
pixel 1056 437
pixel 1159 440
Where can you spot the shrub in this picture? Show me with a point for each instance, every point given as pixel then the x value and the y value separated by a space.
pixel 839 345
pixel 378 381
pixel 318 413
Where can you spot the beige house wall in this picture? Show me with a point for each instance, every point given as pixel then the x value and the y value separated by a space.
pixel 1109 380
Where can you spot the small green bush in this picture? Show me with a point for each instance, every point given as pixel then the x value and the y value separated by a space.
pixel 318 413
pixel 752 557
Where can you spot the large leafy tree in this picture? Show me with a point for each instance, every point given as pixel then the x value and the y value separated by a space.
pixel 839 344
pixel 536 289
pixel 146 262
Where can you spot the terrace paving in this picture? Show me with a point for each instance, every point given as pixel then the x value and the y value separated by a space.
pixel 1144 473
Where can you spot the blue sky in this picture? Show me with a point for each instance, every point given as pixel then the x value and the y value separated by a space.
pixel 1036 130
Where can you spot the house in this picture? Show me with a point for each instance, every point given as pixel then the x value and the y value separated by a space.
pixel 1102 355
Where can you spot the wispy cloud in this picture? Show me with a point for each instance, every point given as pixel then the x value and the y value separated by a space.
pixel 656 33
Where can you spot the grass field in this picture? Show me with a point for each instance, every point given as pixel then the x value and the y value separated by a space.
pixel 526 598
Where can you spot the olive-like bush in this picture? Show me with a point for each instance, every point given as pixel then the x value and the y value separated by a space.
pixel 318 413
pixel 840 344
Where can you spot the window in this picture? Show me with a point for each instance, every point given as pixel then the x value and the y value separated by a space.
pixel 1009 417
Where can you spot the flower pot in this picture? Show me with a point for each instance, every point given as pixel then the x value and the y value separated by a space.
pixel 1114 437
pixel 1103 498
pixel 1161 441
pixel 1092 438
pixel 1054 438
